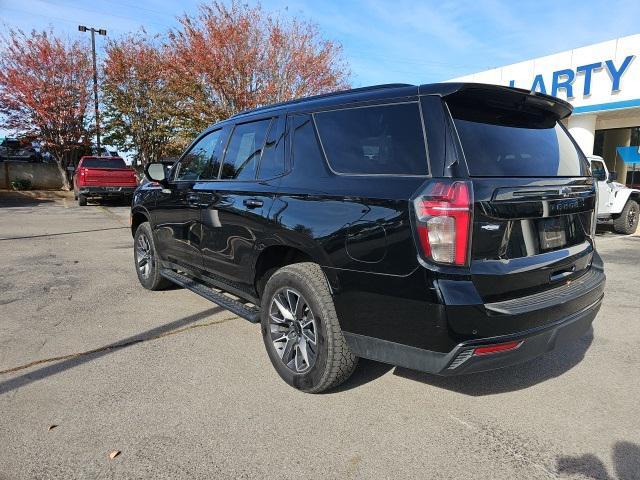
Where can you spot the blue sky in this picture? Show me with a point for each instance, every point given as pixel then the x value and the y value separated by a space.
pixel 384 41
pixel 393 41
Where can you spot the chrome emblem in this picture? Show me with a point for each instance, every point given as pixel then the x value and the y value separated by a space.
pixel 564 191
pixel 492 227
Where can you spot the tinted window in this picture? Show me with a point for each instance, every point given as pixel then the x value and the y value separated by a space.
pixel 272 161
pixel 510 144
pixel 598 171
pixel 306 152
pixel 633 178
pixel 386 139
pixel 244 150
pixel 104 163
pixel 10 143
pixel 196 164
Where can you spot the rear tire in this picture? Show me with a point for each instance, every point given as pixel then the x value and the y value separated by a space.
pixel 82 200
pixel 627 221
pixel 146 260
pixel 304 340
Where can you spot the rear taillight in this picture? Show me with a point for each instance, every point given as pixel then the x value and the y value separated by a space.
pixel 443 221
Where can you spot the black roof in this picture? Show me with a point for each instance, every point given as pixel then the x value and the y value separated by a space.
pixel 398 90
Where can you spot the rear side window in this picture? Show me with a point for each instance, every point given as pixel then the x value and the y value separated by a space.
pixel 505 143
pixel 272 161
pixel 243 152
pixel 377 140
pixel 104 163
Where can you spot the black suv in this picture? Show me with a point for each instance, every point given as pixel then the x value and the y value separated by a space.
pixel 447 228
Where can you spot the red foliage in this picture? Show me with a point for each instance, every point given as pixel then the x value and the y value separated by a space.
pixel 45 89
pixel 231 58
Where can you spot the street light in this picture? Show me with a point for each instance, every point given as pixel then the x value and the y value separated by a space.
pixel 100 31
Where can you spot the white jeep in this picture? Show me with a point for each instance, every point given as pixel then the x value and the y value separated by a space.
pixel 615 201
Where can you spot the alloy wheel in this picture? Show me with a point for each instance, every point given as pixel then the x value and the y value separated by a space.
pixel 144 256
pixel 293 330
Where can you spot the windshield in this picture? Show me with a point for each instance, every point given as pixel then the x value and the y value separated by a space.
pixel 505 143
pixel 104 163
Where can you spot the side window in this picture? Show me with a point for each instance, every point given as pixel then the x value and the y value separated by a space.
pixel 598 171
pixel 305 150
pixel 244 150
pixel 381 139
pixel 272 161
pixel 195 165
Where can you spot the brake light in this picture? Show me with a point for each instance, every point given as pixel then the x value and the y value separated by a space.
pixel 443 221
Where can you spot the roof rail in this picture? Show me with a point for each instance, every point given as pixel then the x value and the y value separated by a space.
pixel 324 95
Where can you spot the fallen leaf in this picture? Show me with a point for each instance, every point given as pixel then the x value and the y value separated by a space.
pixel 51 427
pixel 114 454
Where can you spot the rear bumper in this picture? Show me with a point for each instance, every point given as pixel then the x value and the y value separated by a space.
pixel 533 344
pixel 538 323
pixel 462 359
pixel 107 191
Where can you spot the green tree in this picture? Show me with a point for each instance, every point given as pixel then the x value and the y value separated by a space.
pixel 141 110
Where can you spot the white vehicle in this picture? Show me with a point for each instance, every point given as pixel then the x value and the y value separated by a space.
pixel 615 201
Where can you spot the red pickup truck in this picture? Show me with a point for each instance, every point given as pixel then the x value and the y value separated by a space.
pixel 103 177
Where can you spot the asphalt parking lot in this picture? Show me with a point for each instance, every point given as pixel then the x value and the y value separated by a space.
pixel 184 389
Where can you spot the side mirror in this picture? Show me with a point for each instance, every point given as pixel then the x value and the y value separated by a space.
pixel 156 173
pixel 613 176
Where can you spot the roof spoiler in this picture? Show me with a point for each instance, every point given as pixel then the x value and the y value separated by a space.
pixel 500 95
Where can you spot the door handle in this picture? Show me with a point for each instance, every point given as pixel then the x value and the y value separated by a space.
pixel 253 203
pixel 199 198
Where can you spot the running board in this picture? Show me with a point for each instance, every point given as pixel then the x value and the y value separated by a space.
pixel 216 296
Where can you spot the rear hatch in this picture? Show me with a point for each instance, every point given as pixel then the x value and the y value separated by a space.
pixel 106 172
pixel 533 197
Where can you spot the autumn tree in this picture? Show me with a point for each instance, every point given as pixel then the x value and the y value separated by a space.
pixel 45 89
pixel 233 57
pixel 140 108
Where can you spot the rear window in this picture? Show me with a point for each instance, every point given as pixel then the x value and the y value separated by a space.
pixel 377 140
pixel 104 163
pixel 503 143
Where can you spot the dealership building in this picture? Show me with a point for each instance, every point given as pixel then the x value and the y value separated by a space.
pixel 602 82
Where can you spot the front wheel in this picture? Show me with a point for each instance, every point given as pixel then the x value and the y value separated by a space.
pixel 146 259
pixel 82 200
pixel 301 332
pixel 627 221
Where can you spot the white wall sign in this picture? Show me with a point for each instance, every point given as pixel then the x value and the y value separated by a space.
pixel 603 76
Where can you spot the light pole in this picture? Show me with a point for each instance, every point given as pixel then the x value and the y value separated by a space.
pixel 100 31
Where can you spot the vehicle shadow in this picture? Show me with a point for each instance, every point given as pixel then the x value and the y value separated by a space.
pixel 112 202
pixel 366 371
pixel 517 377
pixel 69 361
pixel 625 457
pixel 9 199
pixel 606 230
